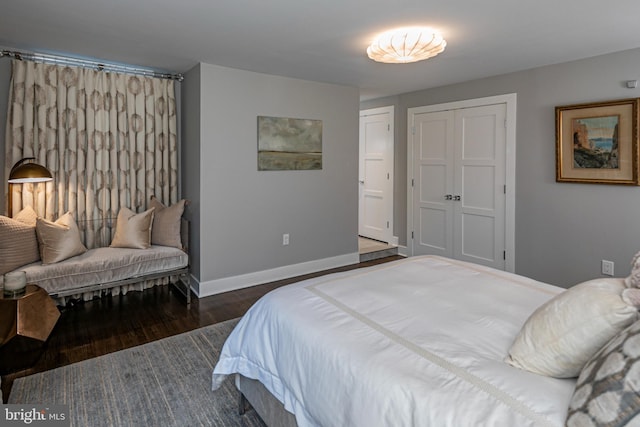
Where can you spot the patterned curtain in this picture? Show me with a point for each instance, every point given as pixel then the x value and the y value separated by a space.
pixel 109 139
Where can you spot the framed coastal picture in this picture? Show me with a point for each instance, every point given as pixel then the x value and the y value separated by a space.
pixel 598 142
pixel 289 144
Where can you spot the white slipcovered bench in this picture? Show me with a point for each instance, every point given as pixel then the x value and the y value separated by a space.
pixel 118 270
pixel 112 270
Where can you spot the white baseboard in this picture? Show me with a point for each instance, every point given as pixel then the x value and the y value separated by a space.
pixel 226 284
pixel 403 250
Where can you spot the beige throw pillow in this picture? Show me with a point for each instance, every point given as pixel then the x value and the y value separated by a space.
pixel 18 243
pixel 59 240
pixel 564 333
pixel 166 223
pixel 133 230
pixel 27 216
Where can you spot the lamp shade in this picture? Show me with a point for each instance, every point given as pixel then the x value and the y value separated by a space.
pixel 23 172
pixel 405 45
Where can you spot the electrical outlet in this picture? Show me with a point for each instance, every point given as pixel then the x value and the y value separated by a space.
pixel 285 239
pixel 607 268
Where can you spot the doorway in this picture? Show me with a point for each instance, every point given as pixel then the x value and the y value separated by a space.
pixel 375 175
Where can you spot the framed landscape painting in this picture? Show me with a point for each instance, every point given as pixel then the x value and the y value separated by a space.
pixel 289 144
pixel 598 142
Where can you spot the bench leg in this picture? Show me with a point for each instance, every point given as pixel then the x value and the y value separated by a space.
pixel 183 285
pixel 187 285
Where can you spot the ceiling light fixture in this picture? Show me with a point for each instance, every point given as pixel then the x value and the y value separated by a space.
pixel 405 45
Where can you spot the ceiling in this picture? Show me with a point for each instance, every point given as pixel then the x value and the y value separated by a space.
pixel 324 40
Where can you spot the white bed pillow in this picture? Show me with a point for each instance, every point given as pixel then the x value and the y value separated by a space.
pixel 565 332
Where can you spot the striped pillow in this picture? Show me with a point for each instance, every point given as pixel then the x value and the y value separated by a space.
pixel 18 244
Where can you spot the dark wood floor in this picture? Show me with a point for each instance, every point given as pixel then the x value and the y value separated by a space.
pixel 110 324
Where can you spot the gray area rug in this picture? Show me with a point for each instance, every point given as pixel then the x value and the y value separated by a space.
pixel 163 383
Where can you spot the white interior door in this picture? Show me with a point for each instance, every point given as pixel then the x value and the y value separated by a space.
pixel 459 176
pixel 479 182
pixel 433 166
pixel 376 174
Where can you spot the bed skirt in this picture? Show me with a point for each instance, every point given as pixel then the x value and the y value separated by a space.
pixel 270 409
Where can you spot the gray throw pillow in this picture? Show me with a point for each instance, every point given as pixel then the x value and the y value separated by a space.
pixel 608 389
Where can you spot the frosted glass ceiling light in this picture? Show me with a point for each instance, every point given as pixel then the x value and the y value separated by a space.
pixel 405 45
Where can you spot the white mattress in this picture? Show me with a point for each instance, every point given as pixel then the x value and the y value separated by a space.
pixel 417 342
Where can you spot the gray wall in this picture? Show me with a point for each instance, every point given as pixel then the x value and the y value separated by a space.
pixel 190 159
pixel 244 212
pixel 563 230
pixel 5 81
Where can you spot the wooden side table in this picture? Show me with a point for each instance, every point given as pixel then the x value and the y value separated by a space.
pixel 25 324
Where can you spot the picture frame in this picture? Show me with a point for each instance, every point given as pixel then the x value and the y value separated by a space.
pixel 286 143
pixel 598 142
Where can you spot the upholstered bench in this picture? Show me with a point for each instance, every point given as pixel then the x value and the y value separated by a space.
pixel 84 259
pixel 108 268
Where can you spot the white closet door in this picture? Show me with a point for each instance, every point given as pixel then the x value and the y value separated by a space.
pixel 458 189
pixel 479 180
pixel 434 166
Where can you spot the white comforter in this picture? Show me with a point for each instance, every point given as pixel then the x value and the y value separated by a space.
pixel 417 342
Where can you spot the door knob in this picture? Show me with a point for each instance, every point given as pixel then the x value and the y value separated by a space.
pixel 448 197
pixel 457 198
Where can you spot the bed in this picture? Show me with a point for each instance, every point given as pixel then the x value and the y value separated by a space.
pixel 420 341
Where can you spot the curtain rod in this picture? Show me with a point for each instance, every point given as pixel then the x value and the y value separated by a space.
pixel 86 63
